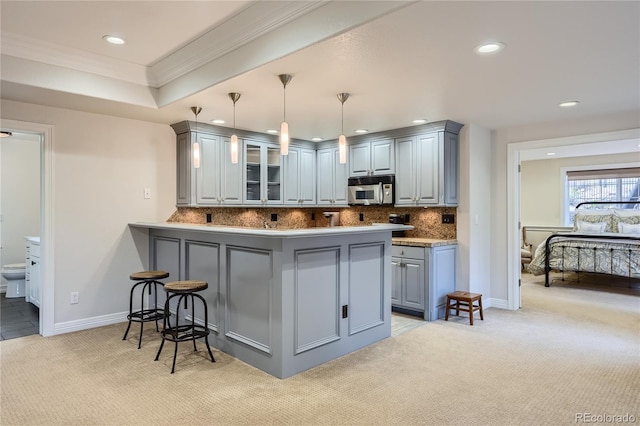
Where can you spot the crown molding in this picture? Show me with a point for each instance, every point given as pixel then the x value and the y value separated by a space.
pixel 61 56
pixel 251 23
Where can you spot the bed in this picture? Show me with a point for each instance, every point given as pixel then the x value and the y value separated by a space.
pixel 604 241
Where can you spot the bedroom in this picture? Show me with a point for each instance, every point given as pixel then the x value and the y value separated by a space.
pixel 548 176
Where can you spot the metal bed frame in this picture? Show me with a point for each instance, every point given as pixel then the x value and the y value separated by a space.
pixel 547 247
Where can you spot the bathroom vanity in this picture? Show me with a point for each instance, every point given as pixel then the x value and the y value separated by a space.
pixel 283 300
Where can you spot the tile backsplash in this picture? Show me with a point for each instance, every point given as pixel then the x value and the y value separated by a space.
pixel 427 222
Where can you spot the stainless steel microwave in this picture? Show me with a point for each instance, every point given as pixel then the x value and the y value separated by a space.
pixel 371 190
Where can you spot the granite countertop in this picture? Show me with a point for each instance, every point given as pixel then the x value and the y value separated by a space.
pixel 421 242
pixel 272 232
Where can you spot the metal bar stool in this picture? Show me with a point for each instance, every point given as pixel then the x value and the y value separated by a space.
pixel 185 290
pixel 146 279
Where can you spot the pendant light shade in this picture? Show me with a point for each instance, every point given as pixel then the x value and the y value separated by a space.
pixel 342 140
pixel 196 146
pixel 234 138
pixel 284 127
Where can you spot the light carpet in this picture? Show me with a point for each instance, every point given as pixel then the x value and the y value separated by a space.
pixel 568 352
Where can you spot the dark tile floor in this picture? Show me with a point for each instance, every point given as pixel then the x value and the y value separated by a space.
pixel 17 318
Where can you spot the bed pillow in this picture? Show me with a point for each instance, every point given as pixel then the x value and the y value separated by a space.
pixel 596 216
pixel 627 216
pixel 628 228
pixel 591 227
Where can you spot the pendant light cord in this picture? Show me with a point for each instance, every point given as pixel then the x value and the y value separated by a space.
pixel 284 103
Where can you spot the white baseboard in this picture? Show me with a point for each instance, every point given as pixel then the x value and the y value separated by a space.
pixel 495 303
pixel 87 323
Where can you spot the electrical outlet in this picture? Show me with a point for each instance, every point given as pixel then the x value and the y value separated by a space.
pixel 407 218
pixel 313 216
pixel 147 193
pixel 274 217
pixel 448 218
pixel 75 296
pixel 361 217
pixel 209 218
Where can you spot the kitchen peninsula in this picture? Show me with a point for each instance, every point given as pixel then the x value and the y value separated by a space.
pixel 283 300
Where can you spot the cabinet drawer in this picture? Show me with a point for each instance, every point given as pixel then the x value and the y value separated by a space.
pixel 34 250
pixel 408 251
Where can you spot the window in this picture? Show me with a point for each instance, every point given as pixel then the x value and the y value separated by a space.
pixel 601 185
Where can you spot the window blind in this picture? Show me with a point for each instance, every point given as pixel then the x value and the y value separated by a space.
pixel 630 172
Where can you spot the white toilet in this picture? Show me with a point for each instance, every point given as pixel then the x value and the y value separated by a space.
pixel 14 274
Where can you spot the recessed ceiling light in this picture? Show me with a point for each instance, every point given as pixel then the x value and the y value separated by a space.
pixel 362 131
pixel 488 48
pixel 317 139
pixel 419 121
pixel 113 39
pixel 569 104
pixel 272 131
pixel 217 121
pixel 551 153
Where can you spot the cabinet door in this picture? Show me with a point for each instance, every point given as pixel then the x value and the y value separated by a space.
pixel 340 175
pixel 184 168
pixel 360 159
pixel 230 174
pixel 451 169
pixel 414 280
pixel 273 178
pixel 207 175
pixel 307 186
pixel 34 277
pixel 383 160
pixel 428 168
pixel 406 192
pixel 292 182
pixel 396 281
pixel 253 173
pixel 325 158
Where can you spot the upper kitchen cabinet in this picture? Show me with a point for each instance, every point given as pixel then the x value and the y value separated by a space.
pixel 332 178
pixel 263 173
pixel 216 181
pixel 427 166
pixel 371 158
pixel 300 176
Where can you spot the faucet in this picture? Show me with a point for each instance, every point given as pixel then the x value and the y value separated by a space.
pixel 334 218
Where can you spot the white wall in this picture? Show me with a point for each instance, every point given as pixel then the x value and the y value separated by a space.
pixel 20 190
pixel 534 132
pixel 101 165
pixel 474 211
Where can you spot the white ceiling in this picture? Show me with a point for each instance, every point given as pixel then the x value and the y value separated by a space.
pixel 399 60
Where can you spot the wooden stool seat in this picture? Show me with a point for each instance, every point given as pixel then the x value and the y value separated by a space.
pixel 148 275
pixel 464 301
pixel 187 286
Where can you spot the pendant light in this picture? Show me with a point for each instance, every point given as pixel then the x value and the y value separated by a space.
pixel 196 146
pixel 234 139
pixel 342 140
pixel 284 127
pixel 5 134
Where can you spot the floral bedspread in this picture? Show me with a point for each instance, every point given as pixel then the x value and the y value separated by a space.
pixel 598 253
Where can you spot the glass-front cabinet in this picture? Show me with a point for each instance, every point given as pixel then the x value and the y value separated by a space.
pixel 263 164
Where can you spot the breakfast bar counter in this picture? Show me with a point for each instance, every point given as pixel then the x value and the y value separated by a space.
pixel 283 300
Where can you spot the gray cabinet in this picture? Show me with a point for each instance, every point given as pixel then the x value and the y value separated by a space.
pixel 408 278
pixel 300 176
pixel 372 158
pixel 332 178
pixel 421 278
pixel 427 169
pixel 217 181
pixel 263 173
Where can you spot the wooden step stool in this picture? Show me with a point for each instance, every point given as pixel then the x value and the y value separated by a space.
pixel 463 301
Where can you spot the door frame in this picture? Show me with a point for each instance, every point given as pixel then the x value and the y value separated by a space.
pixel 514 153
pixel 47 299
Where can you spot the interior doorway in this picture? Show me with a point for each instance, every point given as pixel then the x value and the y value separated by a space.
pixel 45 134
pixel 592 144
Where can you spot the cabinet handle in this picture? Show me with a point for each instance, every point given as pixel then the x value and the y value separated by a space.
pixel 33 263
